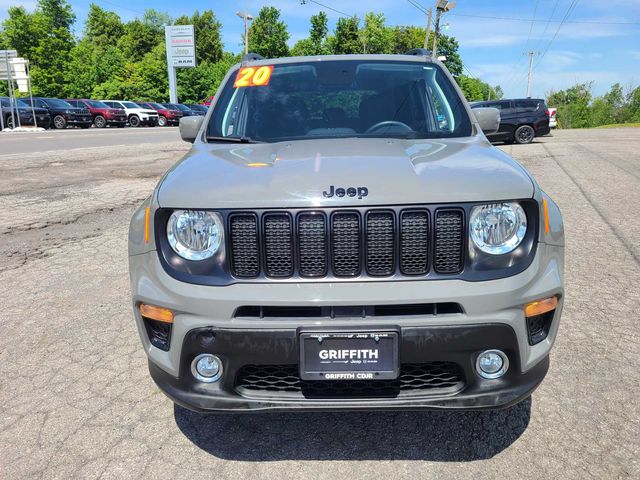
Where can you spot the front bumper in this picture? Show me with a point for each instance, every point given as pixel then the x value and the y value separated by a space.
pixel 493 318
pixel 459 345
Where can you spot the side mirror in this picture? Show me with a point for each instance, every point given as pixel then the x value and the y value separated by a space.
pixel 487 117
pixel 189 128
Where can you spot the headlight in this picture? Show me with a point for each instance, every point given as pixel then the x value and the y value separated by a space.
pixel 194 234
pixel 498 228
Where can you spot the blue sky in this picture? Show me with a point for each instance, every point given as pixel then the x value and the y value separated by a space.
pixel 604 49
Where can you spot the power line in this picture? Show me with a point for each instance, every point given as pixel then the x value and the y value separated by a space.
pixel 418 6
pixel 535 10
pixel 570 10
pixel 120 6
pixel 303 2
pixel 514 19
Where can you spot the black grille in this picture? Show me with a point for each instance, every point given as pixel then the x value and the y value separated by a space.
pixel 414 242
pixel 278 244
pixel 346 244
pixel 159 333
pixel 380 243
pixel 244 245
pixel 449 241
pixel 414 379
pixel 312 244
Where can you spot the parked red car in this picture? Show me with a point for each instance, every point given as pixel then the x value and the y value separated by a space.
pixel 102 114
pixel 166 116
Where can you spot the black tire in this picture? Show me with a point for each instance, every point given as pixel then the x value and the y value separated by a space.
pixel 162 121
pixel 8 123
pixel 99 121
pixel 59 122
pixel 134 121
pixel 524 134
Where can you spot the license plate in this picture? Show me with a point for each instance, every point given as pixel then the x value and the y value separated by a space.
pixel 349 355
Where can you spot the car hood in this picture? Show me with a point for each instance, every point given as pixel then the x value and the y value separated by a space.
pixel 295 174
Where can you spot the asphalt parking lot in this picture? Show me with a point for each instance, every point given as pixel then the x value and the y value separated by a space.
pixel 77 401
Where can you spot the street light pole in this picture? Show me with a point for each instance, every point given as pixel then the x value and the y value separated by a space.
pixel 246 16
pixel 442 6
pixel 426 35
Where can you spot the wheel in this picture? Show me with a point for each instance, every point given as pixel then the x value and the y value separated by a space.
pixel 99 121
pixel 59 122
pixel 524 134
pixel 134 121
pixel 9 122
pixel 162 121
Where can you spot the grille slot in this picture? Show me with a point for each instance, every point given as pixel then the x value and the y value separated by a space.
pixel 245 258
pixel 414 379
pixel 414 242
pixel 312 244
pixel 278 245
pixel 346 244
pixel 416 309
pixel 380 243
pixel 449 241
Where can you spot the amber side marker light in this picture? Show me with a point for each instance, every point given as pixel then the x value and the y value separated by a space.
pixel 540 306
pixel 545 207
pixel 147 213
pixel 156 313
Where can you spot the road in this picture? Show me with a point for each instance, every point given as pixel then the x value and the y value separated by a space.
pixel 77 401
pixel 53 141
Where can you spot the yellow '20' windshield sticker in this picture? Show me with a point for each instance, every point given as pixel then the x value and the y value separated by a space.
pixel 253 76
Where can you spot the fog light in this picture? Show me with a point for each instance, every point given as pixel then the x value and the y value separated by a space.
pixel 206 368
pixel 492 364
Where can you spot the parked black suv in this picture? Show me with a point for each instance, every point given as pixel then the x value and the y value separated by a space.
pixel 63 113
pixel 25 112
pixel 521 120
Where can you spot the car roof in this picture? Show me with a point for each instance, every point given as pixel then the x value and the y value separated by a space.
pixel 343 58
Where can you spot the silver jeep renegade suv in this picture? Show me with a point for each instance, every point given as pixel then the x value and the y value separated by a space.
pixel 342 235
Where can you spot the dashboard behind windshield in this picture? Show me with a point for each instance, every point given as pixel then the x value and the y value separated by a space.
pixel 342 98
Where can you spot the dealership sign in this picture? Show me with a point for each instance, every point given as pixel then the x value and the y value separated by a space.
pixel 181 46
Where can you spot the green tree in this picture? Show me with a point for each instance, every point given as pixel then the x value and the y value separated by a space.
pixel 346 37
pixel 573 106
pixel 406 37
pixel 23 31
pixel 375 36
pixel 139 39
pixel 316 43
pixel 268 35
pixel 80 74
pixel 103 28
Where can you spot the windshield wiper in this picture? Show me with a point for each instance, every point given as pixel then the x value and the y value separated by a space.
pixel 232 139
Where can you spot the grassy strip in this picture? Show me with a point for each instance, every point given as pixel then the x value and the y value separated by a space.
pixel 618 125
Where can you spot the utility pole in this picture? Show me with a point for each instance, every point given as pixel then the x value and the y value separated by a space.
pixel 442 6
pixel 426 36
pixel 531 55
pixel 246 16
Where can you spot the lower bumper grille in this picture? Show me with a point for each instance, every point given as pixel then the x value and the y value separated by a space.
pixel 415 379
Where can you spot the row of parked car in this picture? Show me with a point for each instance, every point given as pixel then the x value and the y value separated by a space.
pixel 83 113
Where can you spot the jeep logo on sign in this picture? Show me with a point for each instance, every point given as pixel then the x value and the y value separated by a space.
pixel 360 192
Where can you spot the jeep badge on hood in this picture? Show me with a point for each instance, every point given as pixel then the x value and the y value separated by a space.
pixel 361 192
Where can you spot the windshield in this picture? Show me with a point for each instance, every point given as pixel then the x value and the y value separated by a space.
pixel 54 102
pixel 156 106
pixel 130 105
pixel 341 98
pixel 171 106
pixel 5 103
pixel 96 104
pixel 182 108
